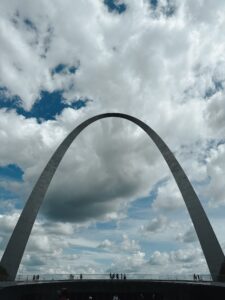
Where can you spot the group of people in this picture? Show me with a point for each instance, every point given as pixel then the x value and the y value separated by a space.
pixel 196 277
pixel 117 276
pixel 72 276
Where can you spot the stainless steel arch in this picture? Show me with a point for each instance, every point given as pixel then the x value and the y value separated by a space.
pixel 211 248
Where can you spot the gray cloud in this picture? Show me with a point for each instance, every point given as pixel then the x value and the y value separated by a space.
pixel 188 257
pixel 34 261
pixel 215 162
pixel 215 114
pixel 163 70
pixel 157 224
pixel 188 236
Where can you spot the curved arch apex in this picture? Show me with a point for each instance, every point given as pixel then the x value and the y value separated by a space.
pixel 207 238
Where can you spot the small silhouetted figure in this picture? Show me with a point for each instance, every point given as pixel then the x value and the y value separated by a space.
pixel 81 276
pixel 117 276
pixel 121 276
pixel 33 277
pixel 37 277
pixel 124 277
pixel 195 277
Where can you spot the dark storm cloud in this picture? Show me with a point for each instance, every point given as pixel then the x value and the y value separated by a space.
pixel 106 172
pixel 95 201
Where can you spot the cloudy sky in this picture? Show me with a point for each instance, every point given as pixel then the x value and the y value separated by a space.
pixel 113 204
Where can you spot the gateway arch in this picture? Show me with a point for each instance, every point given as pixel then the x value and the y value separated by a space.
pixel 211 248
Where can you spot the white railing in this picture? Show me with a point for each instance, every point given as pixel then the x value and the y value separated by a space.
pixel 58 277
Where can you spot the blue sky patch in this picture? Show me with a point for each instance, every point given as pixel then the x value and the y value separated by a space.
pixel 46 108
pixel 106 225
pixel 151 246
pixel 9 201
pixel 59 68
pixel 6 194
pixel 12 172
pixel 49 105
pixel 113 6
pixel 154 3
pixel 140 208
pixel 62 68
pixel 79 248
pixel 72 70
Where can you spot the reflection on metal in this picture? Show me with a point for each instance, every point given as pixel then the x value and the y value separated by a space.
pixel 211 248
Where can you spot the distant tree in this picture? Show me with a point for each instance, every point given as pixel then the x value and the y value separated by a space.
pixel 3 274
pixel 221 276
